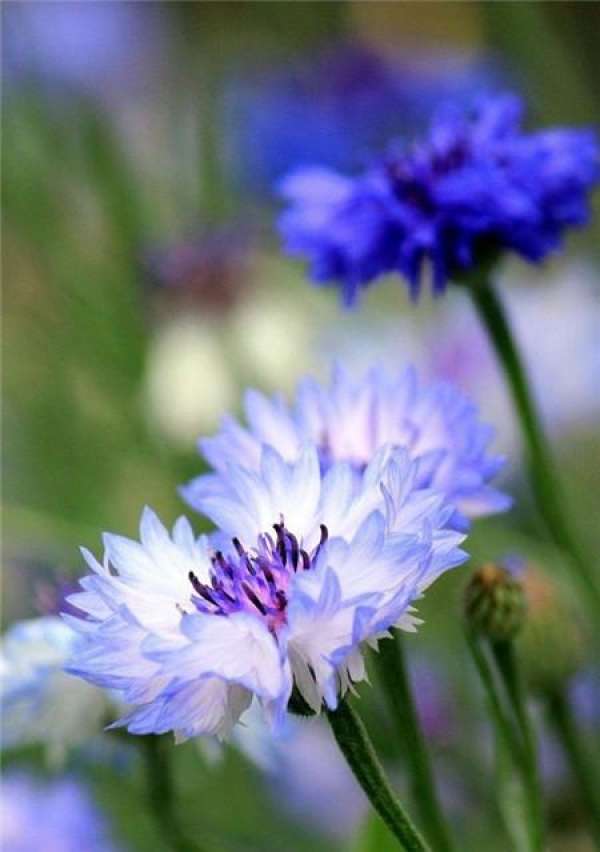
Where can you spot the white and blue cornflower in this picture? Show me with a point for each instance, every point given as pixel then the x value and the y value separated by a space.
pixel 350 420
pixel 305 568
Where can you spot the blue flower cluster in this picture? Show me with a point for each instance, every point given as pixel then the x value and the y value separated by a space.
pixel 331 522
pixel 305 570
pixel 476 185
pixel 334 514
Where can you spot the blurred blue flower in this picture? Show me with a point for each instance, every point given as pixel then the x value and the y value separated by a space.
pixel 303 570
pixel 338 105
pixel 54 816
pixel 98 48
pixel 351 420
pixel 584 693
pixel 476 185
pixel 434 700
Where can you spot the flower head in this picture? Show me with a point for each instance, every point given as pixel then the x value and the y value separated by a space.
pixel 477 185
pixel 350 420
pixel 303 570
pixel 55 815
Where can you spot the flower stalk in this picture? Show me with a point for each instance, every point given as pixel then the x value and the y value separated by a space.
pixel 394 679
pixel 160 794
pixel 504 656
pixel 355 744
pixel 542 469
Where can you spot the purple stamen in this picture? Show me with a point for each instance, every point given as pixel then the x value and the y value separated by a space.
pixel 255 580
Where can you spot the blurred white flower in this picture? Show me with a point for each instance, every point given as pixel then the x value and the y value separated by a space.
pixel 40 702
pixel 272 335
pixel 189 382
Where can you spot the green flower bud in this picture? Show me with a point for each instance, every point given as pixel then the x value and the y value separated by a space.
pixel 494 603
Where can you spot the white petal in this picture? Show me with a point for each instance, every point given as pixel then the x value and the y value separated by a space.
pixel 236 648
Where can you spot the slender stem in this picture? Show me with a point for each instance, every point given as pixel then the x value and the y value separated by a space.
pixel 507 735
pixel 354 742
pixel 505 660
pixel 160 795
pixel 394 678
pixel 500 720
pixel 542 470
pixel 561 717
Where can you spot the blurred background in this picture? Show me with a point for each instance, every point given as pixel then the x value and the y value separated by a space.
pixel 144 288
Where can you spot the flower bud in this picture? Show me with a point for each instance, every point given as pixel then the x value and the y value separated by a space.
pixel 494 604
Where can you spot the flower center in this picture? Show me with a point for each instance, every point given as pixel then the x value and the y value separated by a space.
pixel 255 580
pixel 413 177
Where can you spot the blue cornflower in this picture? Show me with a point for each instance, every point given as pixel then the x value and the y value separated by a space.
pixel 299 114
pixel 50 815
pixel 478 184
pixel 304 569
pixel 350 420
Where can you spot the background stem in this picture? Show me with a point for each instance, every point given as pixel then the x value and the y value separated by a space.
pixel 542 470
pixel 394 678
pixel 505 660
pixel 561 718
pixel 160 794
pixel 354 742
pixel 502 724
pixel 509 741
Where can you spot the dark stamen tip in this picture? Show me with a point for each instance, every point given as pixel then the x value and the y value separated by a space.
pixel 254 599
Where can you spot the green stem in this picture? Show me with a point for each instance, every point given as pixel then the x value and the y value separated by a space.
pixel 354 742
pixel 542 470
pixel 394 678
pixel 506 663
pixel 160 794
pixel 502 724
pixel 508 738
pixel 561 718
